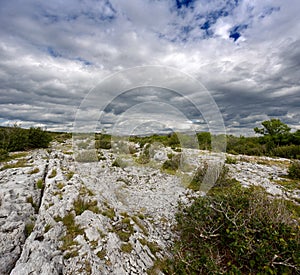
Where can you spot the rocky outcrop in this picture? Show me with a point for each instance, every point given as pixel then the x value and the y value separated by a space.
pixel 62 217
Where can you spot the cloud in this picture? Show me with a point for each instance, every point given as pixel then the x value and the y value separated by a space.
pixel 245 52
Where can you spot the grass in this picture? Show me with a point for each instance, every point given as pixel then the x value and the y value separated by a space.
pixel 47 227
pixel 60 185
pixel 126 247
pixel 140 225
pixel 81 205
pixel 123 229
pixel 34 205
pixel 72 231
pixel 154 248
pixel 230 160
pixel 101 254
pixel 85 191
pixel 53 174
pixel 69 175
pixel 40 184
pixel 34 171
pixel 19 164
pixel 28 229
pixel 109 212
pixel 289 184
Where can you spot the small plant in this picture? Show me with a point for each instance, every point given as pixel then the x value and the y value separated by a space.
pixel 3 155
pixel 69 175
pixel 88 155
pixel 119 163
pixel 230 160
pixel 126 247
pixel 34 171
pixel 140 225
pixel 19 164
pixel 294 170
pixel 109 212
pixel 48 227
pixel 172 164
pixel 73 230
pixel 101 254
pixel 80 205
pixel 34 205
pixel 40 184
pixel 53 174
pixel 60 185
pixel 28 229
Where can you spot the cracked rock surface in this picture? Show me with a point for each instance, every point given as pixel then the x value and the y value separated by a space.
pixel 62 217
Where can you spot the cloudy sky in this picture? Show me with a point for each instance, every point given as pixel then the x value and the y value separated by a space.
pixel 54 53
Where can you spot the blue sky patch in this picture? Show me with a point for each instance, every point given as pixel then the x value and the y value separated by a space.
pixel 53 52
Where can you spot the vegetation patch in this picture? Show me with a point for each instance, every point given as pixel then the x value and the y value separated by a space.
pixel 109 211
pixel 126 247
pixel 28 229
pixel 72 231
pixel 236 230
pixel 47 227
pixel 230 160
pixel 19 164
pixel 34 205
pixel 294 170
pixel 289 183
pixel 53 174
pixel 154 248
pixel 34 171
pixel 101 254
pixel 139 223
pixel 40 184
pixel 69 175
pixel 172 164
pixel 81 205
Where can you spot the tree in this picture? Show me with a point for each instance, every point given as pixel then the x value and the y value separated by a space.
pixel 274 132
pixel 273 127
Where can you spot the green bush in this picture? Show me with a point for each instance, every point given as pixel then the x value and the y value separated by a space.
pixel 289 151
pixel 3 155
pixel 173 163
pixel 38 138
pixel 236 230
pixel 18 139
pixel 294 170
pixel 103 141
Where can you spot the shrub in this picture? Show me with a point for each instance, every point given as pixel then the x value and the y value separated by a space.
pixel 118 162
pixel 173 163
pixel 236 230
pixel 230 160
pixel 38 138
pixel 294 170
pixel 290 151
pixel 3 154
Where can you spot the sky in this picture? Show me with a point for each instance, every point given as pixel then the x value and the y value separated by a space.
pixel 55 54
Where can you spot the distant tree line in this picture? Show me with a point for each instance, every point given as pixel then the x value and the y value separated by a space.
pixel 275 139
pixel 16 138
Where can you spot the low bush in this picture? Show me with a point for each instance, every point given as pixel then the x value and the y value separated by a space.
pixel 3 154
pixel 294 170
pixel 236 230
pixel 172 164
